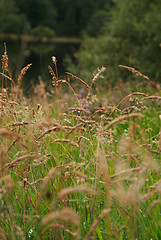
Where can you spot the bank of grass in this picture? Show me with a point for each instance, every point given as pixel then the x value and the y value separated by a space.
pixel 77 167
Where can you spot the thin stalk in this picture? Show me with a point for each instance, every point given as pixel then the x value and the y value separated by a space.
pixel 24 205
pixel 57 89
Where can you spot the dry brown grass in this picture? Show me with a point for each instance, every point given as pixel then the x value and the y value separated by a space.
pixel 75 170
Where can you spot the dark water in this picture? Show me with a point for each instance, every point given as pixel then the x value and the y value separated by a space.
pixel 39 54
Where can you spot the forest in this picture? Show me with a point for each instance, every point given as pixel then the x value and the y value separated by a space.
pixel 108 32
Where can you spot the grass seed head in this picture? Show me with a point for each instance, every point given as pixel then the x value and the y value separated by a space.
pixel 54 59
pixel 5 60
pixel 66 214
pixel 23 72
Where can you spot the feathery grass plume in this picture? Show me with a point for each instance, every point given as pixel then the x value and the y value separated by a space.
pixel 18 124
pixel 151 97
pixel 55 81
pixel 156 186
pixel 5 70
pixel 59 226
pixel 83 82
pixel 147 160
pixel 81 188
pixel 55 63
pixel 50 122
pixel 24 157
pixel 96 222
pixel 78 109
pixel 152 206
pixel 10 134
pixel 132 195
pixel 54 129
pixel 136 94
pixel 3 155
pixel 46 123
pixel 5 60
pixel 41 160
pixel 126 171
pixel 66 141
pixel 37 181
pixel 124 117
pixel 6 184
pixel 80 175
pixel 74 128
pixel 153 189
pixel 23 72
pixel 133 70
pixel 4 65
pixel 98 75
pixel 66 215
pixel 54 172
pixel 128 96
pixel 82 120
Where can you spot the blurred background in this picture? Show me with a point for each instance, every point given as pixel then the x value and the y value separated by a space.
pixel 83 35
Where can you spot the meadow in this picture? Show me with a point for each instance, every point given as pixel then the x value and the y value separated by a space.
pixel 78 163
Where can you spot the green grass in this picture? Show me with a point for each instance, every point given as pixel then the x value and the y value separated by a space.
pixel 66 173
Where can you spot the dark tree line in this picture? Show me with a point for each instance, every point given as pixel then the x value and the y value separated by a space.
pixel 53 17
pixel 114 31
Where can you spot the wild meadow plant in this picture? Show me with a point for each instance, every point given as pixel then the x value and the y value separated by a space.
pixel 77 167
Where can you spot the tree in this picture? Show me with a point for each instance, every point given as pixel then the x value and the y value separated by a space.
pixel 12 22
pixel 38 12
pixel 132 37
pixel 64 17
pixel 75 16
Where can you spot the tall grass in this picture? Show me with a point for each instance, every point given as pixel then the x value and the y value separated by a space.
pixel 76 167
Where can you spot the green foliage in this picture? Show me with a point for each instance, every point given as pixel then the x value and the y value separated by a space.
pixel 42 175
pixel 94 53
pixel 65 17
pixel 76 166
pixel 131 37
pixel 11 20
pixel 42 31
pixel 96 22
pixel 38 12
pixel 75 16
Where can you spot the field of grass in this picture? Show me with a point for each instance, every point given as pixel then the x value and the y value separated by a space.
pixel 78 165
